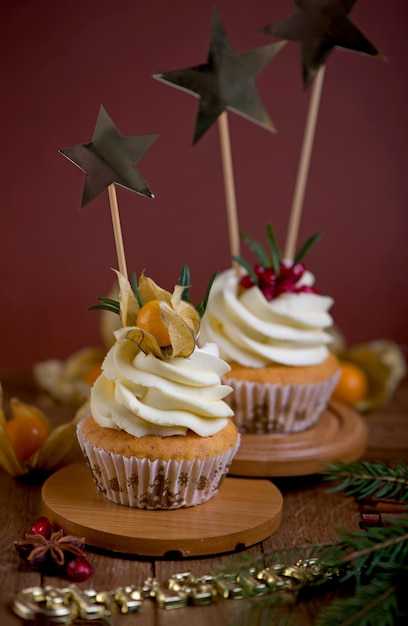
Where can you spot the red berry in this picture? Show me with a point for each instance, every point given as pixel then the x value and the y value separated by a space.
pixel 293 272
pixel 284 270
pixel 259 270
pixel 285 285
pixel 79 569
pixel 297 271
pixel 41 527
pixel 246 282
pixel 306 289
pixel 273 286
pixel 269 293
pixel 268 278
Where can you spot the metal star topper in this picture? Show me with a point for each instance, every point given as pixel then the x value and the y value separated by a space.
pixel 320 26
pixel 110 158
pixel 227 80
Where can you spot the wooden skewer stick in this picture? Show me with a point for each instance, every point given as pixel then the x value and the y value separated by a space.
pixel 304 163
pixel 117 231
pixel 229 185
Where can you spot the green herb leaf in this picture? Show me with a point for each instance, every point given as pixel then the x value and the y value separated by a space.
pixel 185 279
pixel 246 267
pixel 202 305
pixel 107 304
pixel 257 248
pixel 109 301
pixel 275 254
pixel 306 247
pixel 105 307
pixel 135 288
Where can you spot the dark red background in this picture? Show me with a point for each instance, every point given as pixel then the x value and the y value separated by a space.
pixel 61 60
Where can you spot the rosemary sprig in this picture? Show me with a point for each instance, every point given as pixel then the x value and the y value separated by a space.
pixel 257 248
pixel 108 304
pixel 185 280
pixel 202 305
pixel 306 247
pixel 135 288
pixel 247 267
pixel 274 250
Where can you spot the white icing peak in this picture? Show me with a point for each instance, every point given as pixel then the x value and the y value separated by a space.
pixel 142 394
pixel 254 332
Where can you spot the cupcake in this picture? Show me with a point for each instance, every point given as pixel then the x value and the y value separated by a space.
pixel 158 433
pixel 271 326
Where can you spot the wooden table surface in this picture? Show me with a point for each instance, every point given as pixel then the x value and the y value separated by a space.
pixel 310 514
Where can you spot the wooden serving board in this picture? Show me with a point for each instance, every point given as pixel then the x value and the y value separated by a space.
pixel 242 513
pixel 340 434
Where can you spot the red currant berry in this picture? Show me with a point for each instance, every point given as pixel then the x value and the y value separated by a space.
pixel 268 278
pixel 285 285
pixel 306 289
pixel 41 527
pixel 246 282
pixel 285 271
pixel 297 271
pixel 259 270
pixel 269 293
pixel 79 569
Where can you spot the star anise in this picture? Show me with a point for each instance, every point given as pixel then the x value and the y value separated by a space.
pixel 54 552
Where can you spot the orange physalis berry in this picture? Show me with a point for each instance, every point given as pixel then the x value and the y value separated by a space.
pixel 27 434
pixel 150 319
pixel 352 386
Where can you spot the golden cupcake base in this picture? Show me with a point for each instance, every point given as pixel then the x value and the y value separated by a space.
pixel 340 434
pixel 242 513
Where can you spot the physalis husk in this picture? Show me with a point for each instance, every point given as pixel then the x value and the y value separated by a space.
pixel 59 447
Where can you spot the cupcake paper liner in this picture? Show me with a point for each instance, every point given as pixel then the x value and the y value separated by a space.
pixel 267 408
pixel 146 484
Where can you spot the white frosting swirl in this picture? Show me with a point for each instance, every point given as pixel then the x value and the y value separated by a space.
pixel 144 395
pixel 255 332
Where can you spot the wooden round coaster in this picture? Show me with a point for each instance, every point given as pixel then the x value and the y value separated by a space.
pixel 340 434
pixel 242 513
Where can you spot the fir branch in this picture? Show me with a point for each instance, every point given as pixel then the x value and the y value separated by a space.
pixel 385 548
pixel 374 604
pixel 365 479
